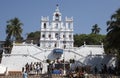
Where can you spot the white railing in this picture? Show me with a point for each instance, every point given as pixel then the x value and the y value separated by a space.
pixel 25 55
pixel 38 47
pixel 99 46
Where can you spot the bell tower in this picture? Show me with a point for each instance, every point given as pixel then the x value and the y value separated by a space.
pixel 56 33
pixel 57 14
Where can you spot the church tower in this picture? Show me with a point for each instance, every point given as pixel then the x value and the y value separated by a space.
pixel 56 34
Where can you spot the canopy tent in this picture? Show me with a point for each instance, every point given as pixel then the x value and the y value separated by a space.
pixel 58 51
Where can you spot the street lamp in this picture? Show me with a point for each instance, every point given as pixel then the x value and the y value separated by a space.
pixel 64 71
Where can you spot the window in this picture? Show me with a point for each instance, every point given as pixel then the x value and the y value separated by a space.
pixel 43 35
pixel 49 35
pixel 64 46
pixel 56 25
pixel 64 42
pixel 69 25
pixel 57 17
pixel 56 35
pixel 63 36
pixel 70 36
pixel 44 25
pixel 55 45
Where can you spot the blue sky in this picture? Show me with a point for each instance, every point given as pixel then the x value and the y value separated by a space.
pixel 86 13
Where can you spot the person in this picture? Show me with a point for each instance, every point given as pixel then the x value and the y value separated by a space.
pixel 37 69
pixel 22 69
pixel 85 74
pixel 95 70
pixel 25 75
pixel 41 69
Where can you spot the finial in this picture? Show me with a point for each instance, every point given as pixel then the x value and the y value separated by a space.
pixel 57 9
pixel 102 44
pixel 84 43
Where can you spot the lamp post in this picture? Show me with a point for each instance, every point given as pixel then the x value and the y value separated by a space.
pixel 64 71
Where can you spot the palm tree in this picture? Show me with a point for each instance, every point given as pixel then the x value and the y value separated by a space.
pixel 113 36
pixel 95 29
pixel 13 29
pixel 113 30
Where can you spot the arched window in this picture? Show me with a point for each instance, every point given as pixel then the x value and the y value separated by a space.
pixel 64 46
pixel 64 42
pixel 44 25
pixel 57 25
pixel 63 36
pixel 56 35
pixel 55 45
pixel 57 17
pixel 69 25
pixel 70 36
pixel 49 35
pixel 43 35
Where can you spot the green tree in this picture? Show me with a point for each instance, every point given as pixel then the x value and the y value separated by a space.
pixel 95 29
pixel 14 29
pixel 90 39
pixel 35 36
pixel 95 39
pixel 112 45
pixel 79 39
pixel 113 34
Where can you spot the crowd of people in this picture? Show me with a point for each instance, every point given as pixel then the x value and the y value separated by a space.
pixel 79 71
pixel 82 71
pixel 33 68
pixel 106 69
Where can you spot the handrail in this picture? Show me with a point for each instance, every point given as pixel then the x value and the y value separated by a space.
pixel 15 54
pixel 99 46
pixel 76 53
pixel 36 58
pixel 38 47
pixel 23 55
pixel 37 53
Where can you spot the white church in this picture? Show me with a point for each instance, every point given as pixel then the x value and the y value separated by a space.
pixel 58 33
pixel 56 43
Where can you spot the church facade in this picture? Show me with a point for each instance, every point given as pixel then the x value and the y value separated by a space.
pixel 57 33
